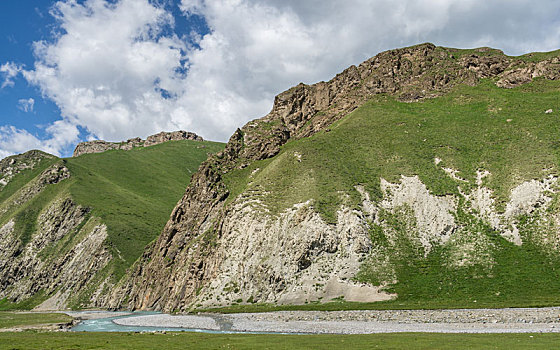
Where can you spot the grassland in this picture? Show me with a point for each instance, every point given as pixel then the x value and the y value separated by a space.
pixel 11 319
pixel 43 341
pixel 503 131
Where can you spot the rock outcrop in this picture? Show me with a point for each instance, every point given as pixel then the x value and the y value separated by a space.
pixel 194 259
pixel 13 165
pixel 98 146
pixel 27 267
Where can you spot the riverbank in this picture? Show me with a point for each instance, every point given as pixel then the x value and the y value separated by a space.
pixel 519 320
pixel 24 321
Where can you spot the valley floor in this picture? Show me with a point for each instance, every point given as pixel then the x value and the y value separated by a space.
pixel 534 320
pixel 511 320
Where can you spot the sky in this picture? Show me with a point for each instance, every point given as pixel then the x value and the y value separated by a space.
pixel 77 70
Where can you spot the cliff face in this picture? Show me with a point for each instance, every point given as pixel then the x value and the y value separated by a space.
pixel 98 146
pixel 210 253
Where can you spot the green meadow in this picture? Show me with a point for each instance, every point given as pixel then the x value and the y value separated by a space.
pixel 67 341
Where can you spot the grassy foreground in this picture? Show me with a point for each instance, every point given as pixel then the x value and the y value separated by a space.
pixel 31 340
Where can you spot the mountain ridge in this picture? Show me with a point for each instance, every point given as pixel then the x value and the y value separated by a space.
pixel 180 271
pixel 387 184
pixel 69 228
pixel 99 146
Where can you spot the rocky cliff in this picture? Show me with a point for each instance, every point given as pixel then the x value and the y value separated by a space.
pixel 98 146
pixel 225 244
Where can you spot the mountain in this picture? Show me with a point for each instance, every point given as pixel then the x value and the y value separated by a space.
pixel 70 228
pixel 425 176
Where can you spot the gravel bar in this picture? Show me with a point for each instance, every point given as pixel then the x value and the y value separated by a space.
pixel 514 320
pixel 170 321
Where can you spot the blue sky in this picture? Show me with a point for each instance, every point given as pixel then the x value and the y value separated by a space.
pixel 25 22
pixel 22 23
pixel 114 69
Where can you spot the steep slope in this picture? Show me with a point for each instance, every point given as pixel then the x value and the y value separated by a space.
pixel 69 228
pixel 433 201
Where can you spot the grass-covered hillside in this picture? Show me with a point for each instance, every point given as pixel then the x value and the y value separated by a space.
pixel 131 193
pixel 445 141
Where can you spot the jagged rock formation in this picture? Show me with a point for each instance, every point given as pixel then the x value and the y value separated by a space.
pixel 30 270
pixel 210 253
pixel 98 146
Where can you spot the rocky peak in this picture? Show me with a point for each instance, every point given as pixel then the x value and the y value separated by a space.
pixel 410 74
pixel 98 146
pixel 13 165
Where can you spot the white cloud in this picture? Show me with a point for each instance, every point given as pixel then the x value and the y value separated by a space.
pixel 9 71
pixel 60 134
pixel 107 71
pixel 14 140
pixel 26 105
pixel 113 72
pixel 258 48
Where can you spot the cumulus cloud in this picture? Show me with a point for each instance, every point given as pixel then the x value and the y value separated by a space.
pixel 258 48
pixel 118 70
pixel 9 71
pixel 111 71
pixel 59 135
pixel 26 105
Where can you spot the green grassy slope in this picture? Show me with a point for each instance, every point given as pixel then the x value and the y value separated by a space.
pixel 504 131
pixel 27 175
pixel 132 192
pixel 468 129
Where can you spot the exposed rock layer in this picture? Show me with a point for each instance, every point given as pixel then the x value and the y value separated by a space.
pixel 99 146
pixel 62 254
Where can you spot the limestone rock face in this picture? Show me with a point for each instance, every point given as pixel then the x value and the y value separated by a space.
pixel 98 146
pixel 210 253
pixel 548 69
